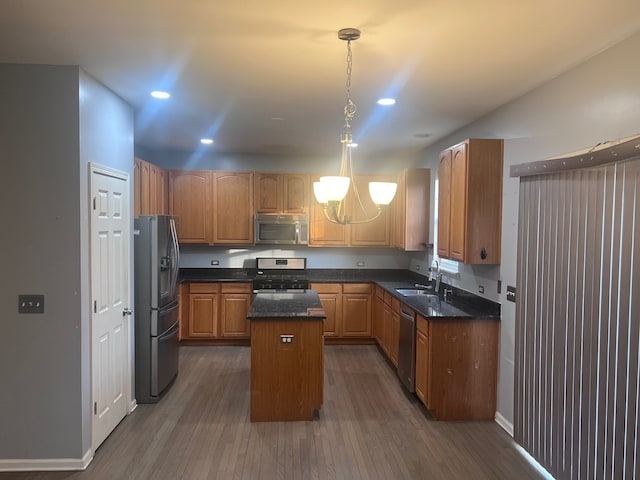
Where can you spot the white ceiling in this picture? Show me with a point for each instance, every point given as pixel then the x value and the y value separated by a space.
pixel 268 76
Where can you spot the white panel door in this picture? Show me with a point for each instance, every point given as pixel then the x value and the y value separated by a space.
pixel 110 282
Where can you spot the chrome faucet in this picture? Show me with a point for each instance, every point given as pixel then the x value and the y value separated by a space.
pixel 438 276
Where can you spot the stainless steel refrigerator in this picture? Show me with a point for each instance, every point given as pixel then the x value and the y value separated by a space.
pixel 156 260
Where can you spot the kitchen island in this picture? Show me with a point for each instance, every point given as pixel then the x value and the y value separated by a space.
pixel 287 356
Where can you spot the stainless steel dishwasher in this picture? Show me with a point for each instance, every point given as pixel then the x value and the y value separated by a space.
pixel 407 349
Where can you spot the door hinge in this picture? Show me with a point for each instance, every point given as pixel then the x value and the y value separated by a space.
pixel 94 203
pixel 95 306
pixel 95 408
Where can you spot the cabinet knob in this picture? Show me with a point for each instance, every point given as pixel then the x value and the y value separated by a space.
pixel 483 253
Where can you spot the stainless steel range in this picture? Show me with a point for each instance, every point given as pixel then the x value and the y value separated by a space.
pixel 278 274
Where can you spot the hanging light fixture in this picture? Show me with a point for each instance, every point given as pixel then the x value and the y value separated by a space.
pixel 331 191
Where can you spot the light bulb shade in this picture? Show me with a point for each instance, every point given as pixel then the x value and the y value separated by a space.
pixel 320 193
pixel 334 188
pixel 382 192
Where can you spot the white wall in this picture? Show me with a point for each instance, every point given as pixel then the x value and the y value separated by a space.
pixel 53 121
pixel 594 102
pixel 345 258
pixel 106 138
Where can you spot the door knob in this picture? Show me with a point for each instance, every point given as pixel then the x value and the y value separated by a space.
pixel 126 311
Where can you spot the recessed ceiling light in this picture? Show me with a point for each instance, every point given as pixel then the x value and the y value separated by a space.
pixel 387 101
pixel 160 94
pixel 206 141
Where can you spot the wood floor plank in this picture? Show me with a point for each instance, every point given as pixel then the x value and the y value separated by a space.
pixel 368 428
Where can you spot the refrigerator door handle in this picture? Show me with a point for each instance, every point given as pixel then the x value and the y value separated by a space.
pixel 176 253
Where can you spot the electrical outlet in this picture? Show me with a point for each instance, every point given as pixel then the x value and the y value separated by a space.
pixel 511 293
pixel 360 263
pixel 30 303
pixel 215 262
pixel 286 338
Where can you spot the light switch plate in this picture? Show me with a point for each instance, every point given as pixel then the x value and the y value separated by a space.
pixel 30 303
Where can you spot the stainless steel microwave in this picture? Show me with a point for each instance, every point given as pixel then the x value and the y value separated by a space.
pixel 281 229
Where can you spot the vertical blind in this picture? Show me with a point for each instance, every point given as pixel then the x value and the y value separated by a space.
pixel 577 383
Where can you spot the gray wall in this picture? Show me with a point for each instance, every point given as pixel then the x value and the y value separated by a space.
pixel 598 100
pixel 51 124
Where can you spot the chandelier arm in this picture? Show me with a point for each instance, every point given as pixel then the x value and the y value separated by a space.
pixel 368 220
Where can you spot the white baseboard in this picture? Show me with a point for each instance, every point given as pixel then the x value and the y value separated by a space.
pixel 46 464
pixel 504 423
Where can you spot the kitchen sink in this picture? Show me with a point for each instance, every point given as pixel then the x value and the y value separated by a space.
pixel 407 292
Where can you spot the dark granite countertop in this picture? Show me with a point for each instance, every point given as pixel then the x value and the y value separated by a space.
pixel 304 304
pixel 461 304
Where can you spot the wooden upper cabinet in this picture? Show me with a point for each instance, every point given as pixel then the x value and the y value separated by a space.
pixel 268 196
pixel 295 187
pixel 150 189
pixel 233 208
pixel 376 233
pixel 470 201
pixel 444 204
pixel 137 187
pixel 411 210
pixel 321 231
pixel 189 201
pixel 281 192
pixel 145 188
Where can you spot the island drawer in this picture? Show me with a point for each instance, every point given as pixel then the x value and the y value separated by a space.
pixel 236 287
pixel 327 287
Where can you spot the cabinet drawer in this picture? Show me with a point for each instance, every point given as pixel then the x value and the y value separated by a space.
pixel 226 287
pixel 356 288
pixel 395 305
pixel 204 288
pixel 422 324
pixel 327 287
pixel 387 298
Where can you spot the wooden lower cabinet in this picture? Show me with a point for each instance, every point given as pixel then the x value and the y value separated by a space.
pixel 331 298
pixel 216 310
pixel 348 309
pixel 356 310
pixel 457 367
pixel 422 360
pixel 235 300
pixel 377 326
pixel 203 310
pixel 387 317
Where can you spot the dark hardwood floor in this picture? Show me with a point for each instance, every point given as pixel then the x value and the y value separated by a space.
pixel 368 428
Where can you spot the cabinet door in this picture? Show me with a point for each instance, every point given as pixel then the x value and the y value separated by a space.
pixel 153 189
pixel 378 319
pixel 444 203
pixel 399 212
pixel 422 361
pixel 356 315
pixel 394 338
pixel 331 298
pixel 233 315
pixel 145 187
pixel 203 315
pixel 189 201
pixel 137 187
pixel 458 206
pixel 268 188
pixel 376 233
pixel 233 208
pixel 387 324
pixel 162 207
pixel 294 188
pixel 321 231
